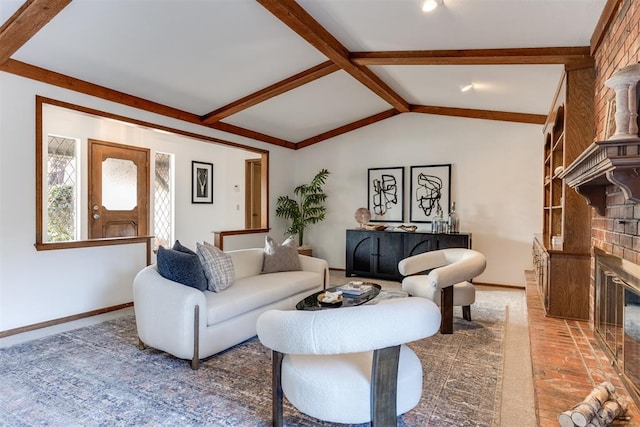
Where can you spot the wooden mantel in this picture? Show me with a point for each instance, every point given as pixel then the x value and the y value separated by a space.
pixel 604 163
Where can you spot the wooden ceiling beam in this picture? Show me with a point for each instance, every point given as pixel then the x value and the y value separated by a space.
pixel 303 24
pixel 504 116
pixel 538 55
pixel 71 83
pixel 347 128
pixel 25 23
pixel 276 89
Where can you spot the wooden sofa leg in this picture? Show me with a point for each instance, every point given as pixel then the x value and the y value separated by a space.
pixel 446 308
pixel 466 312
pixel 141 345
pixel 276 388
pixel 195 361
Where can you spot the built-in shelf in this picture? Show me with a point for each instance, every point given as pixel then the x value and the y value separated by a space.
pixel 604 163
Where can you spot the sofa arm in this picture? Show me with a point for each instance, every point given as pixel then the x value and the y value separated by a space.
pixel 317 265
pixel 164 312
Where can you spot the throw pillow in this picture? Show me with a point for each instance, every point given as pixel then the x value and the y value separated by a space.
pixel 177 246
pixel 217 265
pixel 282 257
pixel 181 267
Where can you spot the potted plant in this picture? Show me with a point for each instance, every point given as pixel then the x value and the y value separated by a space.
pixel 307 207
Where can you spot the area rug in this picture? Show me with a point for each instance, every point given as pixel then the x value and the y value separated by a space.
pixel 96 376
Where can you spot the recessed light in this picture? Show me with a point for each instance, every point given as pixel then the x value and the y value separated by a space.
pixel 430 5
pixel 467 88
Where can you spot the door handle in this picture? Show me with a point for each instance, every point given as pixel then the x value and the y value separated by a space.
pixel 96 216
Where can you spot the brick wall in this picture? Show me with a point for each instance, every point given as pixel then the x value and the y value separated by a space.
pixel 617 231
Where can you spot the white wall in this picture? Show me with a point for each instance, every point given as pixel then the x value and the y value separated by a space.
pixel 37 286
pixel 496 182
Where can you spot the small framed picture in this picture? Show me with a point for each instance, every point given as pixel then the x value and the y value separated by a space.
pixel 386 194
pixel 430 190
pixel 201 182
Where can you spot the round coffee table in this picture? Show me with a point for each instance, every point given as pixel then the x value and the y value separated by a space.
pixel 311 302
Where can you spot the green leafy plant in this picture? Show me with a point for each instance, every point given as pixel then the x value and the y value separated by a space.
pixel 61 211
pixel 307 207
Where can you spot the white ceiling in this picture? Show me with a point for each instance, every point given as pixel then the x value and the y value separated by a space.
pixel 200 55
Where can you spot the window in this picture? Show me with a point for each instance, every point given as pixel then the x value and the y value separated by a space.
pixel 62 189
pixel 163 200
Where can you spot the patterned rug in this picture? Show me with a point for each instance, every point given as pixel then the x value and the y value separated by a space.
pixel 96 376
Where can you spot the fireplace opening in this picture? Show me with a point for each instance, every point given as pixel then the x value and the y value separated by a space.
pixel 617 316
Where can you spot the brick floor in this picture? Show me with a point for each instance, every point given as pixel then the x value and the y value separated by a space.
pixel 567 363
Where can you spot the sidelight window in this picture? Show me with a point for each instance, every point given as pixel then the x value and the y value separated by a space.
pixel 62 189
pixel 163 200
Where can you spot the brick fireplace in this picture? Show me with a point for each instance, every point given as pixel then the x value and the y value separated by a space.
pixel 615 233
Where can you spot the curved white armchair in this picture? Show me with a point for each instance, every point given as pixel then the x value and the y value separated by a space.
pixel 349 365
pixel 448 283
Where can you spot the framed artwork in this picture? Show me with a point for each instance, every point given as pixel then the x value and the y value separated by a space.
pixel 201 182
pixel 386 194
pixel 430 189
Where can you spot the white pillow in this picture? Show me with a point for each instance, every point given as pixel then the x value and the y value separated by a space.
pixel 282 257
pixel 217 266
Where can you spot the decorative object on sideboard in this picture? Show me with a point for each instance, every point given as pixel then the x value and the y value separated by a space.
pixel 453 223
pixel 362 216
pixel 374 227
pixel 624 82
pixel 407 228
pixel 430 190
pixel 385 194
pixel 306 208
pixel 438 224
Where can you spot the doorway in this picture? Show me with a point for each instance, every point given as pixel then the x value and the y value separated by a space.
pixel 253 193
pixel 118 190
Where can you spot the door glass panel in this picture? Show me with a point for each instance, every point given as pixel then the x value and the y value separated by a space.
pixel 119 184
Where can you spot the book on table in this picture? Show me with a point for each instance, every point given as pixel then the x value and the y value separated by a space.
pixel 354 288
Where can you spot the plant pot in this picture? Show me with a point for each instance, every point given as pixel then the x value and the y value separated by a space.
pixel 305 250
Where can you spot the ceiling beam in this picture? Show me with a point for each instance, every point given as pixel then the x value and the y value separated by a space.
pixel 537 55
pixel 276 89
pixel 303 24
pixel 347 128
pixel 504 116
pixel 71 83
pixel 25 23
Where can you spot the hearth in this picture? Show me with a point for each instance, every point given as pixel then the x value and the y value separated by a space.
pixel 617 315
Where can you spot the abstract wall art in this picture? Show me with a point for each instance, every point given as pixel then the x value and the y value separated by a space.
pixel 386 194
pixel 430 189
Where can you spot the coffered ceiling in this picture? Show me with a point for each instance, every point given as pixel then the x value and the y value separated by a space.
pixel 297 73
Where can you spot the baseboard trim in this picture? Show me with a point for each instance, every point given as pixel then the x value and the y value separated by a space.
pixel 54 322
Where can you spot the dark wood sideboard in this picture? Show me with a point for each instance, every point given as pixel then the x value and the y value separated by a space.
pixel 377 253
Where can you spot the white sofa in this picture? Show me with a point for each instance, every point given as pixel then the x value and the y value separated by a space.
pixel 192 324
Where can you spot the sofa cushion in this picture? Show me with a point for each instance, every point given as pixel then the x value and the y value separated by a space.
pixel 177 246
pixel 217 266
pixel 181 267
pixel 282 257
pixel 253 292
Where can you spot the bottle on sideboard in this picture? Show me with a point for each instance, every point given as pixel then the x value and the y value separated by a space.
pixel 453 222
pixel 438 225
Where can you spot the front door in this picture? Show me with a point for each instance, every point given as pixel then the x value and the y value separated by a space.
pixel 118 190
